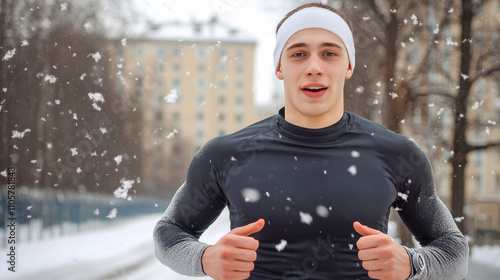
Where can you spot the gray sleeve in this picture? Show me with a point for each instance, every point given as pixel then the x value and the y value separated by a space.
pixel 178 249
pixel 194 207
pixel 444 248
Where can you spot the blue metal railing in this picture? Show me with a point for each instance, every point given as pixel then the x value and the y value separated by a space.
pixel 51 210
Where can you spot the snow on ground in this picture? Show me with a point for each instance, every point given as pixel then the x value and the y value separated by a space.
pixel 125 251
pixel 489 255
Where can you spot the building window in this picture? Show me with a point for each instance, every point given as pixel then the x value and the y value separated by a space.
pixel 201 83
pixel 239 85
pixel 222 117
pixel 201 52
pixel 239 101
pixel 222 100
pixel 160 51
pixel 159 116
pixel 176 83
pixel 177 67
pixel 119 51
pixel 222 132
pixel 178 52
pixel 199 134
pixel 478 158
pixel 240 53
pixel 222 84
pixel 239 118
pixel 223 53
pixel 200 117
pixel 240 69
pixel 139 51
pixel 201 68
pixel 176 118
pixel 160 82
pixel 479 185
pixel 496 183
pixel 160 67
pixel 200 100
pixel 159 99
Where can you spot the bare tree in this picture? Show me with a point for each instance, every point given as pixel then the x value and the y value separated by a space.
pixel 468 76
pixel 60 124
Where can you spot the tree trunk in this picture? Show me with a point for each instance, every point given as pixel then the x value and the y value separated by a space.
pixel 460 146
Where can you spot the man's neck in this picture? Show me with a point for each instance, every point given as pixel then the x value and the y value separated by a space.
pixel 313 121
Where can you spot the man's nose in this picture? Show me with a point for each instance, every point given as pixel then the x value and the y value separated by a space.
pixel 314 66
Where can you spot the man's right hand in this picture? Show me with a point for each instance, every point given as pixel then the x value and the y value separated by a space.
pixel 232 257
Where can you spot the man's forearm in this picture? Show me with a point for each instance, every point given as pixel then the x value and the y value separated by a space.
pixel 178 250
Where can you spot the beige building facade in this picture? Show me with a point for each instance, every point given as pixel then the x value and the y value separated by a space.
pixel 192 82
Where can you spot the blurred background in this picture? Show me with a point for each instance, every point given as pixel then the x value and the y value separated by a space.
pixel 103 104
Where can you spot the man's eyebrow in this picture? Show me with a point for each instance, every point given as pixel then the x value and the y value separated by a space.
pixel 325 44
pixel 331 44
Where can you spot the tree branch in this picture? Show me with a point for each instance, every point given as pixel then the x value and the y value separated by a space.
pixel 427 91
pixel 486 73
pixel 376 10
pixel 484 146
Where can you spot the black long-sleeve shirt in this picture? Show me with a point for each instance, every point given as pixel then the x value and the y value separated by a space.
pixel 310 185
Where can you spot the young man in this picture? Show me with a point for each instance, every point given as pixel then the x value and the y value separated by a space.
pixel 313 185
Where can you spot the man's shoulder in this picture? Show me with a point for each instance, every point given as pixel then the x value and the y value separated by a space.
pixel 231 142
pixel 379 134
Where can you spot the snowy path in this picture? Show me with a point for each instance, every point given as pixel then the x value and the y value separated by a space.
pixel 125 252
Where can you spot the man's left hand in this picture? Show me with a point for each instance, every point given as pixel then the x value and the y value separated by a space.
pixel 383 257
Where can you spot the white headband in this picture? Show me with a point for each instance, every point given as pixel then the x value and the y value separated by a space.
pixel 314 17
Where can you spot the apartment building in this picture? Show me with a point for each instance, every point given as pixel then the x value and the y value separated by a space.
pixel 192 81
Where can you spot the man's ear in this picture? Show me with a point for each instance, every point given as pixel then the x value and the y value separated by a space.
pixel 278 72
pixel 348 73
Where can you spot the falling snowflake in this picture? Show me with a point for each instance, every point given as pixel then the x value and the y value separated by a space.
pixel 322 211
pixel 112 214
pixel 96 97
pixel 118 159
pixel 353 170
pixel 122 191
pixel 19 134
pixel 404 196
pixel 9 54
pixel 251 195
pixel 172 134
pixel 50 78
pixel 96 56
pixel 305 218
pixel 172 96
pixel 281 246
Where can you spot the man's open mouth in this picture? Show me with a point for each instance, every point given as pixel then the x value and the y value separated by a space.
pixel 314 89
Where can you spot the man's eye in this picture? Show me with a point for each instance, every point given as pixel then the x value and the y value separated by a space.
pixel 329 54
pixel 298 55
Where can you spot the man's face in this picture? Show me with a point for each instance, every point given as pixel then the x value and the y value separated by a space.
pixel 314 65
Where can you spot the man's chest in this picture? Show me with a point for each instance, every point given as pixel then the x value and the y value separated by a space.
pixel 311 190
